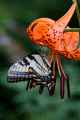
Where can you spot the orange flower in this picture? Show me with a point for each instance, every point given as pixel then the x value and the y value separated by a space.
pixel 50 33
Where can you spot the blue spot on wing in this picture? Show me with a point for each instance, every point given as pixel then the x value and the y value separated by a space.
pixel 14 75
pixel 19 76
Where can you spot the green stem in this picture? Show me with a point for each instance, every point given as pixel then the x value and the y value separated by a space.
pixel 72 30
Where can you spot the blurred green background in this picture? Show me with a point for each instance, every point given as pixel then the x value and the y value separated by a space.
pixel 15 102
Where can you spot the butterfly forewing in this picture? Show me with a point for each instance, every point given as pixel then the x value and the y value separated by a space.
pixel 32 66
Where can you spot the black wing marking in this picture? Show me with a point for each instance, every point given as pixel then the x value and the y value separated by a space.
pixel 41 64
pixel 19 72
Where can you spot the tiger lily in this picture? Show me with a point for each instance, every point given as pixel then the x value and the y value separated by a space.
pixel 50 33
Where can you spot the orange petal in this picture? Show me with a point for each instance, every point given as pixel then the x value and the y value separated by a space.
pixel 64 20
pixel 39 29
pixel 74 55
pixel 71 40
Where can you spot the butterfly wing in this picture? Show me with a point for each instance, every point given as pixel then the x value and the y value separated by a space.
pixel 19 71
pixel 30 67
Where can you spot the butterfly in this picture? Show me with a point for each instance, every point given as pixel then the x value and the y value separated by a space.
pixel 36 70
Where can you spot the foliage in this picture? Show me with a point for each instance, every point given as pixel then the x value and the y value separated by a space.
pixel 15 102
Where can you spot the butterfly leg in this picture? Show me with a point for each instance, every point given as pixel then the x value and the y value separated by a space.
pixel 51 88
pixel 28 84
pixel 31 84
pixel 51 85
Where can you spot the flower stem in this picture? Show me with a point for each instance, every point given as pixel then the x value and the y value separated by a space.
pixel 72 30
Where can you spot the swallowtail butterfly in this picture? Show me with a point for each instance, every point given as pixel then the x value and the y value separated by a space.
pixel 36 70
